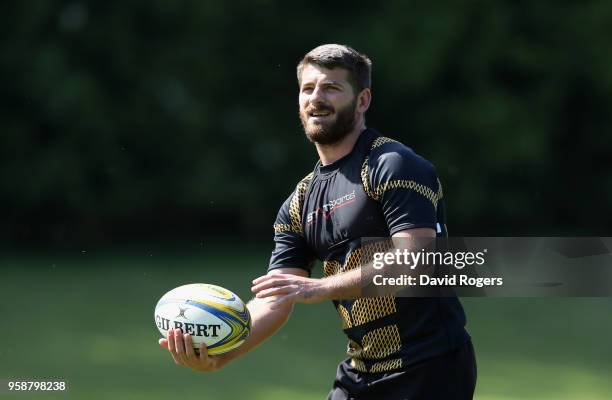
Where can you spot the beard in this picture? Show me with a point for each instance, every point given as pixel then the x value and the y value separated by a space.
pixel 333 131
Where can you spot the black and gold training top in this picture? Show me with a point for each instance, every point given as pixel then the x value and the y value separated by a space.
pixel 380 188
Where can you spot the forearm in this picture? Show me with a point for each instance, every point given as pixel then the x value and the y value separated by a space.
pixel 288 288
pixel 265 322
pixel 346 285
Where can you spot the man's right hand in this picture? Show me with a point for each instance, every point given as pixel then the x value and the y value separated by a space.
pixel 181 349
pixel 265 321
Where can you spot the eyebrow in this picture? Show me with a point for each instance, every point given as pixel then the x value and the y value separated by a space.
pixel 326 83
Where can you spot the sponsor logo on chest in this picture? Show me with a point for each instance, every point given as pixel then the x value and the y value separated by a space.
pixel 331 206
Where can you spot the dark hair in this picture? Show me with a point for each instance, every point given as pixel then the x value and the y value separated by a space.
pixel 332 56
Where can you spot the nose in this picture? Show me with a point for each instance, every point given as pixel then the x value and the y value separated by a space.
pixel 317 95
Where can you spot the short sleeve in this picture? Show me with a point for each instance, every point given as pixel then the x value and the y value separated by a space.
pixel 407 187
pixel 290 247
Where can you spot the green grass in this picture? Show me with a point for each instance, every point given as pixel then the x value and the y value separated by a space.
pixel 89 319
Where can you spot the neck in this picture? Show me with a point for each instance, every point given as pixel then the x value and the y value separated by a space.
pixel 330 153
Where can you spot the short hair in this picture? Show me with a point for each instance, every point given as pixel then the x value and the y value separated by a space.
pixel 332 56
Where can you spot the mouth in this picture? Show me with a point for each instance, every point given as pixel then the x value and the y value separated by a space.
pixel 318 114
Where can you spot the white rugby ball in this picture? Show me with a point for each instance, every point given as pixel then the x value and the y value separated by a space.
pixel 210 313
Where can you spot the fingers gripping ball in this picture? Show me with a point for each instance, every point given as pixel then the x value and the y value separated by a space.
pixel 210 314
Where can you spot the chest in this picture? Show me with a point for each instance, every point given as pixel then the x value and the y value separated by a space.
pixel 337 210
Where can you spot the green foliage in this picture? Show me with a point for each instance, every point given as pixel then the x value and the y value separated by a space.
pixel 176 119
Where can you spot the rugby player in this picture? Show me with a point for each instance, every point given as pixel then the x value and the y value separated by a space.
pixel 364 185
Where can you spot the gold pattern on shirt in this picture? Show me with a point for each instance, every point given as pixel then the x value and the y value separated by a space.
pixel 368 309
pixel 278 228
pixel 375 193
pixel 296 204
pixel 379 141
pixel 381 342
pixel 387 365
pixel 330 267
pixel 410 185
pixel 346 318
pixel 358 365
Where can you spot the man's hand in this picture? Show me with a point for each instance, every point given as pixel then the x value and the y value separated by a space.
pixel 293 287
pixel 181 349
pixel 288 288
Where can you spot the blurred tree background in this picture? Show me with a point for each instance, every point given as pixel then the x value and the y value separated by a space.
pixel 177 120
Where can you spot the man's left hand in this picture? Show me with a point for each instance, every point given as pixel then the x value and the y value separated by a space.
pixel 289 288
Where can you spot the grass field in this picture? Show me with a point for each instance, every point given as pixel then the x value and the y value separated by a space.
pixel 88 319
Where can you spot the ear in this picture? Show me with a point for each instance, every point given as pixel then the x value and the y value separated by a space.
pixel 363 100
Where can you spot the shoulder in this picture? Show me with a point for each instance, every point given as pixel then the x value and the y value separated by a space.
pixel 297 197
pixel 392 166
pixel 305 180
pixel 289 216
pixel 388 157
pixel 300 188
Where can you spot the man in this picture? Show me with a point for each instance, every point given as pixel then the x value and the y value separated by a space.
pixel 364 185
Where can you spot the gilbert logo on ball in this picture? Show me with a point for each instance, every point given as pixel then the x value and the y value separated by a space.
pixel 209 313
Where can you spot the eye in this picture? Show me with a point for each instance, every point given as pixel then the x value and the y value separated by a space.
pixel 307 89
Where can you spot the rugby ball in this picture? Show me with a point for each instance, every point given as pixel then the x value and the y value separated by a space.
pixel 210 313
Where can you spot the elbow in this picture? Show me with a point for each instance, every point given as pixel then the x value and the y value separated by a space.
pixel 266 306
